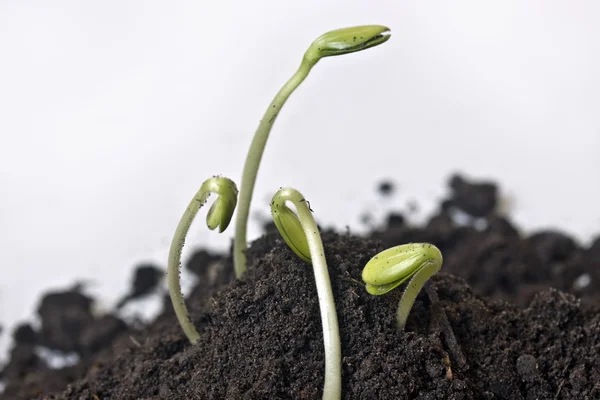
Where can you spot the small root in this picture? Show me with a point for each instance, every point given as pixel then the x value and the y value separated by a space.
pixel 441 325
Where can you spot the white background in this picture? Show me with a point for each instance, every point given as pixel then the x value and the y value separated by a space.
pixel 112 114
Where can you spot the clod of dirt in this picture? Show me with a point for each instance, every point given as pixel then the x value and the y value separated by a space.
pixel 64 315
pixel 366 218
pixel 146 278
pixel 269 226
pixel 478 199
pixel 39 380
pixel 395 220
pixel 200 260
pixel 100 333
pixel 551 246
pixel 595 247
pixel 528 368
pixel 23 360
pixel 412 206
pixel 386 188
pixel 501 226
pixel 24 334
pixel 213 270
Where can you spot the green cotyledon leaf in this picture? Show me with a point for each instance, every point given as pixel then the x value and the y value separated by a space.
pixel 392 267
pixel 290 228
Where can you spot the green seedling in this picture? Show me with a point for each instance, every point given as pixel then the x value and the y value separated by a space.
pixel 392 267
pixel 334 43
pixel 301 234
pixel 219 215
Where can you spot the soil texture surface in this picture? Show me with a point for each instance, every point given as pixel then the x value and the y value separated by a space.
pixel 523 309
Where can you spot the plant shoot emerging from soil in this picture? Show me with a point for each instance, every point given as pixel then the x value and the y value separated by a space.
pixel 301 234
pixel 394 266
pixel 333 43
pixel 219 215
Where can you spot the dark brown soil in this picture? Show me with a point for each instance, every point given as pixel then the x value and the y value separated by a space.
pixel 146 278
pixel 524 310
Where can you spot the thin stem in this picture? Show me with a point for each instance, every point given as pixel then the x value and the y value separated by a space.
pixel 173 269
pixel 332 388
pixel 331 336
pixel 333 43
pixel 219 217
pixel 412 290
pixel 252 163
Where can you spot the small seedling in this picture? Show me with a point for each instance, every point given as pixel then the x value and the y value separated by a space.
pixel 219 215
pixel 394 266
pixel 333 43
pixel 301 234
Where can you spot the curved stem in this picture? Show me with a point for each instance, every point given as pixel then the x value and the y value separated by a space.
pixel 252 163
pixel 333 43
pixel 412 290
pixel 216 185
pixel 332 388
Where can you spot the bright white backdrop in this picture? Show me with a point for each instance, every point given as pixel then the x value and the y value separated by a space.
pixel 112 113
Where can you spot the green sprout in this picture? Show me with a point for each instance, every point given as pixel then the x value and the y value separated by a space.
pixel 394 266
pixel 219 215
pixel 301 234
pixel 334 43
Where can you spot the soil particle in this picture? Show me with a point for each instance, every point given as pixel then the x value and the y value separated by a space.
pixel 478 199
pixel 366 218
pixel 501 226
pixel 200 260
pixel 269 226
pixel 213 271
pixel 100 333
pixel 395 220
pixel 386 188
pixel 527 368
pixel 22 359
pixel 551 246
pixel 24 334
pixel 64 315
pixel 146 278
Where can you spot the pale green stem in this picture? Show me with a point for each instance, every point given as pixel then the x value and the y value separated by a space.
pixel 332 388
pixel 332 43
pixel 173 269
pixel 331 332
pixel 255 153
pixel 412 290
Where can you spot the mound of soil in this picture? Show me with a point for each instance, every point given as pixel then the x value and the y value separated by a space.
pixel 523 310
